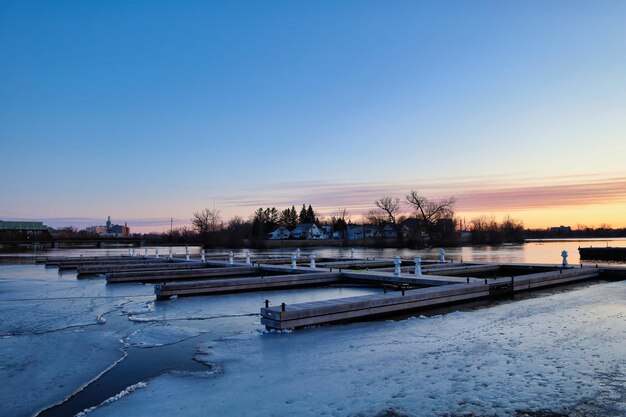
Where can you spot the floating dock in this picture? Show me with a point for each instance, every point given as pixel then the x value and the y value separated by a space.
pixel 321 312
pixel 426 285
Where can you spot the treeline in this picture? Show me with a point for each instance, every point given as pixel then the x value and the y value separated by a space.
pixel 486 230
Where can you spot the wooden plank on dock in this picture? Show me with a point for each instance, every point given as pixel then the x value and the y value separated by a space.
pixel 222 286
pixel 96 269
pixel 167 276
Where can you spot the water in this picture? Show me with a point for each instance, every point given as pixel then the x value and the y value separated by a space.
pixel 548 252
pixel 50 307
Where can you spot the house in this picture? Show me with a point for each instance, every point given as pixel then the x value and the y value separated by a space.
pixel 355 232
pixel 279 234
pixel 306 231
pixel 389 231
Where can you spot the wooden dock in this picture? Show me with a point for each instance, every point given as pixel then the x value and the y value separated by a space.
pixel 439 284
pixel 299 315
pixel 178 275
pixel 222 286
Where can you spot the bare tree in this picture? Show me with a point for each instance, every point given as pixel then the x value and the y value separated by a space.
pixel 429 211
pixel 206 220
pixel 390 206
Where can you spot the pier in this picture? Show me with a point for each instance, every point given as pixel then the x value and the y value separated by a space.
pixel 409 284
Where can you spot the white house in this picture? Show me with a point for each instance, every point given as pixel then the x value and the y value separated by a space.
pixel 306 231
pixel 279 234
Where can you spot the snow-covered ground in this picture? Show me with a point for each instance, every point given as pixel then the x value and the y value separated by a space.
pixel 564 352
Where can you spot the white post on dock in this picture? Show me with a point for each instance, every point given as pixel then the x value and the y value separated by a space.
pixel 203 255
pixel 171 255
pixel 352 253
pixel 564 256
pixel 396 266
pixel 231 258
pixel 248 257
pixel 312 258
pixel 156 253
pixel 186 252
pixel 298 253
pixel 130 252
pixel 442 255
pixel 293 261
pixel 418 265
pixel 145 253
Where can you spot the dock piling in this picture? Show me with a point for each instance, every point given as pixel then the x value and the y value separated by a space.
pixel 231 258
pixel 442 255
pixel 247 256
pixel 312 258
pixel 396 266
pixel 418 265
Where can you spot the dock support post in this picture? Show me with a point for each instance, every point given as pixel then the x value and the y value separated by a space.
pixel 352 253
pixel 312 258
pixel 442 255
pixel 282 307
pixel 293 261
pixel 418 265
pixel 231 258
pixel 156 254
pixel 130 252
pixel 564 256
pixel 186 252
pixel 203 255
pixel 267 303
pixel 298 253
pixel 248 257
pixel 396 266
pixel 145 253
pixel 170 255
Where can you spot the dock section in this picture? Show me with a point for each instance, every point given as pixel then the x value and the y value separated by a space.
pixel 299 315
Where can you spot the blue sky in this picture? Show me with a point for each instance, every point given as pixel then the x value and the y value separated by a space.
pixel 147 110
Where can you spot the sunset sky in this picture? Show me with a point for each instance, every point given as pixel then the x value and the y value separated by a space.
pixel 147 110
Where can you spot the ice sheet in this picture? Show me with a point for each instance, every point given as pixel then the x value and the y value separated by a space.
pixel 552 352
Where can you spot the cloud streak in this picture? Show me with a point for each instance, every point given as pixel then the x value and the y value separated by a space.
pixel 489 194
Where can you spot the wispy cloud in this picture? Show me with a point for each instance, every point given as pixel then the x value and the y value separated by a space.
pixel 500 193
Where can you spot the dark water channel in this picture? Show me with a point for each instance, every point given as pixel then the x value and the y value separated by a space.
pixel 140 364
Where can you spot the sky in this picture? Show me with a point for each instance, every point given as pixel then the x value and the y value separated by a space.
pixel 151 110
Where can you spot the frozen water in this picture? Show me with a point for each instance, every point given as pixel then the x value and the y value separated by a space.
pixel 561 352
pixel 552 352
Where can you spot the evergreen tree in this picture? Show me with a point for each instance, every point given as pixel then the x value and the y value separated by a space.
pixel 310 215
pixel 293 218
pixel 302 218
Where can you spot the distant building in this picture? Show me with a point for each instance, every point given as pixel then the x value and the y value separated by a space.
pixel 561 230
pixel 109 229
pixel 306 231
pixel 279 234
pixel 24 231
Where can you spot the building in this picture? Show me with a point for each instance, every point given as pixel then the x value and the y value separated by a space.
pixel 306 231
pixel 23 231
pixel 109 229
pixel 279 234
